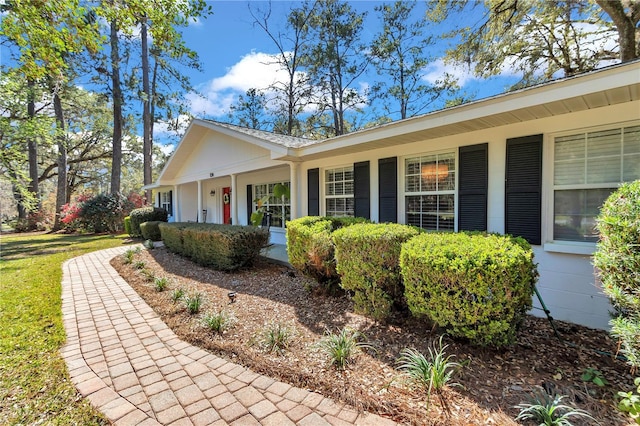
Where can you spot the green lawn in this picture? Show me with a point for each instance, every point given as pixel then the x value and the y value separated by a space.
pixel 34 382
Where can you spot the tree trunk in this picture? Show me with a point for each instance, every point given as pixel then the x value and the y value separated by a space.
pixel 32 147
pixel 625 25
pixel 146 112
pixel 61 193
pixel 116 159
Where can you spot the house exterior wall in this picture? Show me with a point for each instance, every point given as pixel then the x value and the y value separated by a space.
pixel 222 155
pixel 567 282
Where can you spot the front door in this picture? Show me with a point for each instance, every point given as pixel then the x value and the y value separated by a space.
pixel 226 205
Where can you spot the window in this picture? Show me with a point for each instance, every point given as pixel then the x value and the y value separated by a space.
pixel 165 201
pixel 278 207
pixel 429 186
pixel 339 192
pixel 587 168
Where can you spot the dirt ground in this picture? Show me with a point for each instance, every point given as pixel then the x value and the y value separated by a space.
pixel 488 385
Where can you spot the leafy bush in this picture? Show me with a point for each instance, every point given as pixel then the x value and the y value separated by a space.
pixel 105 213
pixel 146 214
pixel 617 260
pixel 127 225
pixel 150 230
pixel 477 286
pixel 368 261
pixel 223 247
pixel 310 247
pixel 630 402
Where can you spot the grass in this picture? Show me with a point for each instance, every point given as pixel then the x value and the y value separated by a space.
pixel 34 382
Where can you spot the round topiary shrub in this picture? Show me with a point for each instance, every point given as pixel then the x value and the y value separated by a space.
pixel 311 249
pixel 476 286
pixel 368 261
pixel 146 214
pixel 617 260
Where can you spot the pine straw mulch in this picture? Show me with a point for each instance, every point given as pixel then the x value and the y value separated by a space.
pixel 491 382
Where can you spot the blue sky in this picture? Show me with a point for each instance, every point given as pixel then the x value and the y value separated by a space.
pixel 233 53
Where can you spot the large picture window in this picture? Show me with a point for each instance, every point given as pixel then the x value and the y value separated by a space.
pixel 588 167
pixel 429 185
pixel 339 192
pixel 278 207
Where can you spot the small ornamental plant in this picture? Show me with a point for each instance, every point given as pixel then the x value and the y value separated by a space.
pixel 218 321
pixel 341 347
pixel 548 410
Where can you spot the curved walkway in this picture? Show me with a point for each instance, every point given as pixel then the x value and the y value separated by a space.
pixel 134 369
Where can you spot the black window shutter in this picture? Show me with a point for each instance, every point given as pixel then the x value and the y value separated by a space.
pixel 361 190
pixel 523 188
pixel 159 199
pixel 171 203
pixel 249 203
pixel 313 192
pixel 473 182
pixel 388 189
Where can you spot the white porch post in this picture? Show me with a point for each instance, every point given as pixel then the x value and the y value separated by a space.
pixel 176 204
pixel 234 199
pixel 293 188
pixel 199 215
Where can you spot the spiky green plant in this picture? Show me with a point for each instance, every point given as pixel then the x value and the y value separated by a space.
pixel 160 283
pixel 128 256
pixel 193 302
pixel 218 321
pixel 548 410
pixel 276 337
pixel 342 346
pixel 431 374
pixel 177 294
pixel 139 264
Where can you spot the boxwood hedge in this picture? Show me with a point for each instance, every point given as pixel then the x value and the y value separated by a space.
pixel 311 249
pixel 368 261
pixel 150 230
pixel 223 247
pixel 146 214
pixel 476 286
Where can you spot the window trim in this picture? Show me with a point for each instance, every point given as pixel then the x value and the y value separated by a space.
pixel 549 188
pixel 323 187
pixel 402 193
pixel 254 206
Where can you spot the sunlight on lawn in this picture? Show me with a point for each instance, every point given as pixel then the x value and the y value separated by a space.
pixel 34 382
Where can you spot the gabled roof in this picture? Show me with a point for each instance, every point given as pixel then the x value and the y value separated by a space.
pixel 284 140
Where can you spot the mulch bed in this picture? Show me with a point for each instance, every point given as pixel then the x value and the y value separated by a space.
pixel 490 382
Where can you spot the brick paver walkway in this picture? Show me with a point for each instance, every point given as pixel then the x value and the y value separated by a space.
pixel 134 369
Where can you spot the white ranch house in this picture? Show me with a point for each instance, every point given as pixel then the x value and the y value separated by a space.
pixel 537 162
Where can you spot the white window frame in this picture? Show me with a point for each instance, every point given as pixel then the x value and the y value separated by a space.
pixel 403 194
pixel 285 203
pixel 566 246
pixel 325 196
pixel 165 201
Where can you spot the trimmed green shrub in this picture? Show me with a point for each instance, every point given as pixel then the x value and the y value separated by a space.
pixel 127 225
pixel 151 230
pixel 617 260
pixel 368 261
pixel 311 249
pixel 476 286
pixel 146 214
pixel 223 247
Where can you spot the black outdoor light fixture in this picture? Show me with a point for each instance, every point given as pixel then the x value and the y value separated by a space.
pixel 232 296
pixel 212 193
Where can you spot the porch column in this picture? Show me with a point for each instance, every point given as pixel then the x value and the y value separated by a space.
pixel 234 199
pixel 176 204
pixel 199 215
pixel 293 188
